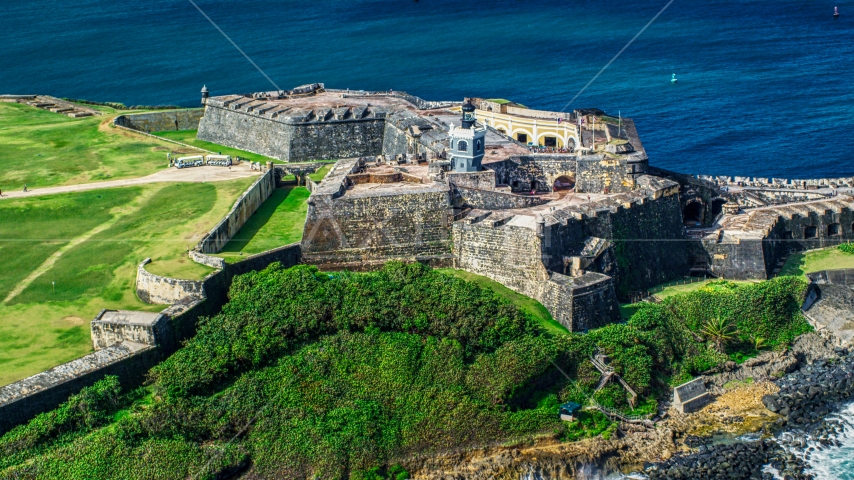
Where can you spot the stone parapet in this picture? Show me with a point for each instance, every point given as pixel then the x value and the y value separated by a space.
pixel 242 210
pixel 116 326
pixel 22 400
pixel 154 289
pixel 161 121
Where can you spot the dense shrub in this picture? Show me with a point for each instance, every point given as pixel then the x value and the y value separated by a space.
pixel 273 310
pixel 310 374
pixel 847 247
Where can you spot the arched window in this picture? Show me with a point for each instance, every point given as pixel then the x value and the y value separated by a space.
pixel 478 146
pixel 462 146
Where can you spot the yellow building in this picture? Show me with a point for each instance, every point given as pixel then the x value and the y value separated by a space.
pixel 548 129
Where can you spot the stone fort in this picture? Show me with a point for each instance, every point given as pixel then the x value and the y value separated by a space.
pixel 562 207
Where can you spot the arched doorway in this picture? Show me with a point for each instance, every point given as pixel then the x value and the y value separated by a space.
pixel 718 206
pixel 692 214
pixel 570 144
pixel 564 183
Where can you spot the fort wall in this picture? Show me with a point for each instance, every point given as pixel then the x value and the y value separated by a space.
pixel 23 400
pixel 494 200
pixel 600 174
pixel 371 228
pixel 541 171
pixel 157 290
pixel 769 234
pixel 334 140
pixel 111 327
pixel 161 121
pixel 643 226
pixel 243 208
pixel 240 129
pixel 483 243
pixel 239 125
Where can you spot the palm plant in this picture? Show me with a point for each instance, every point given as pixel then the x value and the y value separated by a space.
pixel 757 341
pixel 720 331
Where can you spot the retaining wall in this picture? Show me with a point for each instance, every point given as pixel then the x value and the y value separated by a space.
pixel 494 200
pixel 23 400
pixel 245 206
pixel 157 290
pixel 161 121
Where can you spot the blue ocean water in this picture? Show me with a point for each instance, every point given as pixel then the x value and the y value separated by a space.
pixel 765 87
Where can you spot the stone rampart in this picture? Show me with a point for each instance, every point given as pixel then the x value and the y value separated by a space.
pixel 238 123
pixel 538 171
pixel 23 400
pixel 483 243
pixel 116 326
pixel 793 183
pixel 749 246
pixel 374 228
pixel 157 290
pixel 209 260
pixel 161 121
pixel 494 200
pixel 240 129
pixel 334 140
pixel 484 180
pixel 644 227
pixel 243 208
pixel 601 174
pixel 835 277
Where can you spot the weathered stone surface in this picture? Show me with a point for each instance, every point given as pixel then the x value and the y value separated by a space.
pixel 162 121
pixel 154 289
pixel 22 400
pixel 691 396
pixel 116 326
pixel 388 221
pixel 243 208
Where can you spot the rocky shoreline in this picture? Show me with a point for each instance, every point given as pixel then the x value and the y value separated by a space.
pixel 790 391
pixel 805 399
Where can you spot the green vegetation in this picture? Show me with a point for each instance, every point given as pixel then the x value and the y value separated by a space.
pixel 847 248
pixel 67 256
pixel 738 383
pixel 189 137
pixel 278 221
pixel 608 119
pixel 321 173
pixel 818 260
pixel 313 374
pixel 686 286
pixel 526 304
pixel 41 148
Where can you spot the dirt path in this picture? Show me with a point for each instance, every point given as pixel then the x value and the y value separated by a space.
pixel 117 214
pixel 195 174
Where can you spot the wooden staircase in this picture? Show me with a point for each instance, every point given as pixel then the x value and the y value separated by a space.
pixel 599 361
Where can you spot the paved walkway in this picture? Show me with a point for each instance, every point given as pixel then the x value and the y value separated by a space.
pixel 194 174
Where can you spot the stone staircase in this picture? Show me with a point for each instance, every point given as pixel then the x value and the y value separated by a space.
pixel 61 107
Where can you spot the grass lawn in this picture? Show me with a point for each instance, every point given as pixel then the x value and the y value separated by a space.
pixel 816 261
pixel 526 304
pixel 674 288
pixel 189 137
pixel 318 176
pixel 41 148
pixel 278 221
pixel 89 244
